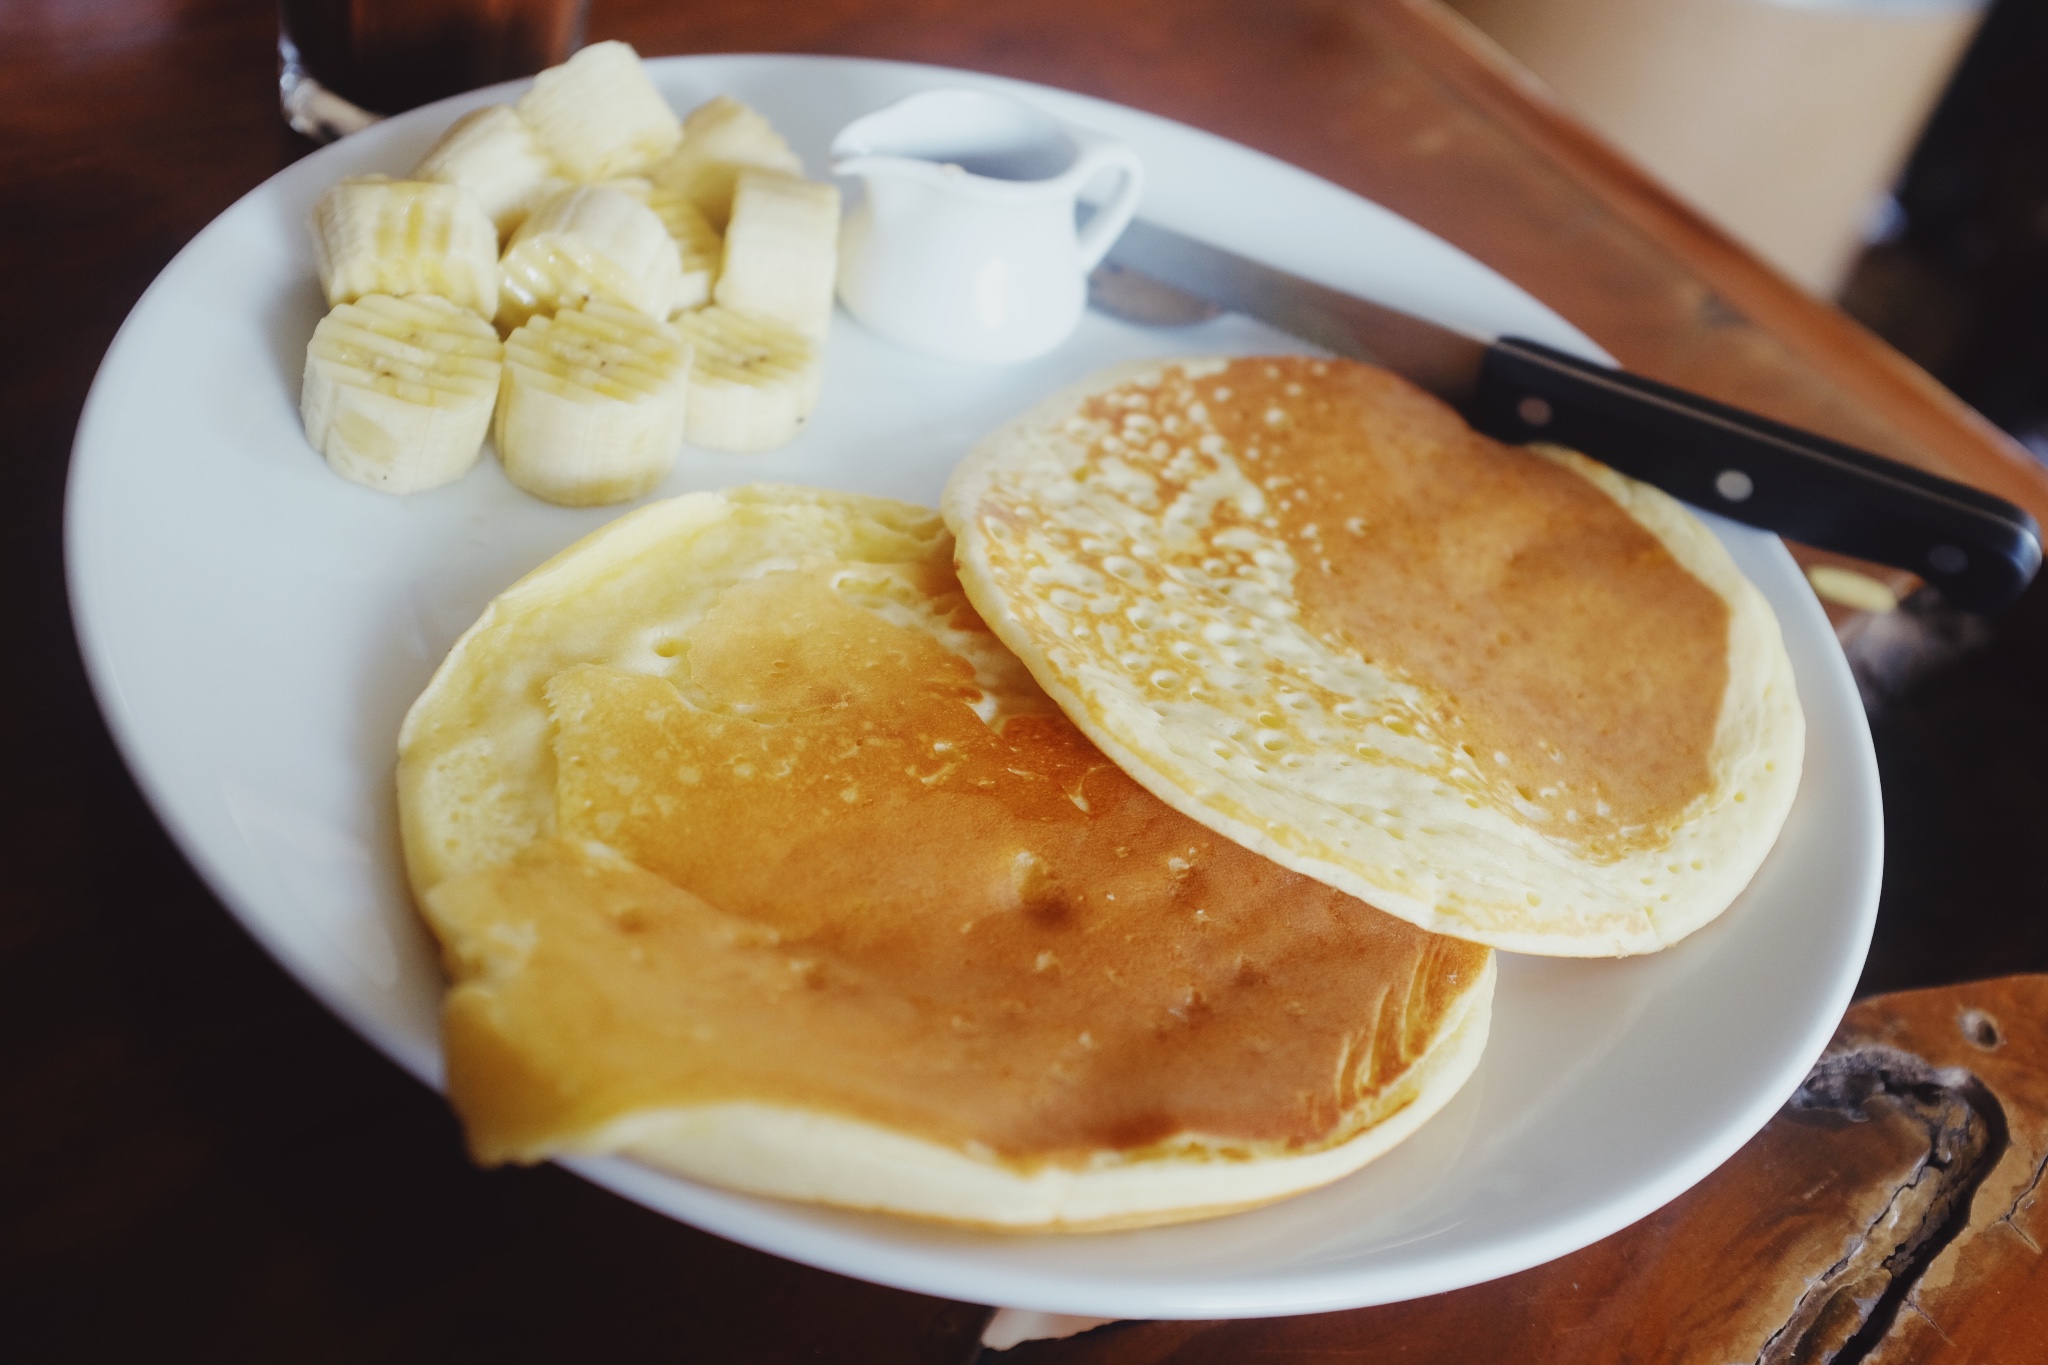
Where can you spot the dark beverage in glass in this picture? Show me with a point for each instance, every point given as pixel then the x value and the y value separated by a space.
pixel 382 56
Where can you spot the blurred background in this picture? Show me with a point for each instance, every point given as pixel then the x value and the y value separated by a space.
pixel 1891 155
pixel 1888 154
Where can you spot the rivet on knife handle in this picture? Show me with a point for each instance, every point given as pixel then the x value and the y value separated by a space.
pixel 1978 549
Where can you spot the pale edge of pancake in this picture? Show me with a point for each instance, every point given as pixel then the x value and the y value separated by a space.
pixel 829 1159
pixel 1484 876
pixel 471 798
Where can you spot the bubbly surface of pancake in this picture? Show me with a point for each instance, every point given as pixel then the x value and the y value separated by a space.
pixel 754 853
pixel 1506 694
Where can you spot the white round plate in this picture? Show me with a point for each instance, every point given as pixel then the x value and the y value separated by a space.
pixel 255 628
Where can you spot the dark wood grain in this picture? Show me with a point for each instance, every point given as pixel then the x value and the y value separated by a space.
pixel 196 1161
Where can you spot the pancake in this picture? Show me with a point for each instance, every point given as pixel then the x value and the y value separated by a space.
pixel 754 855
pixel 1505 694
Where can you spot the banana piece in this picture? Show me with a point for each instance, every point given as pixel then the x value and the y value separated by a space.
pixel 589 242
pixel 495 156
pixel 547 191
pixel 398 392
pixel 721 138
pixel 781 251
pixel 697 242
pixel 599 115
pixel 377 236
pixel 754 383
pixel 593 404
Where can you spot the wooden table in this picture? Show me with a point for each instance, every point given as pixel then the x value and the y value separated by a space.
pixel 196 1160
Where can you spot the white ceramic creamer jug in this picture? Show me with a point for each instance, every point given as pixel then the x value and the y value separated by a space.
pixel 965 244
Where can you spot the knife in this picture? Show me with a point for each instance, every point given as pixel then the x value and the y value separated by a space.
pixel 1978 549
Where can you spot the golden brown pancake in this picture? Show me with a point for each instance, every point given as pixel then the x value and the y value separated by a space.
pixel 1503 693
pixel 754 854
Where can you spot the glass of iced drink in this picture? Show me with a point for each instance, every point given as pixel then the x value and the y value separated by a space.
pixel 343 64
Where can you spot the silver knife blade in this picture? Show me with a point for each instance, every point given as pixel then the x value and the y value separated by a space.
pixel 1438 359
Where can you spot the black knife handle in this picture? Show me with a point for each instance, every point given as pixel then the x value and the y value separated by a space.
pixel 1980 550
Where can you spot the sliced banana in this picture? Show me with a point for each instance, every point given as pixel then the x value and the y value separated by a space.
pixel 593 404
pixel 495 156
pixel 696 241
pixel 599 115
pixel 377 236
pixel 590 242
pixel 721 138
pixel 781 251
pixel 754 383
pixel 398 392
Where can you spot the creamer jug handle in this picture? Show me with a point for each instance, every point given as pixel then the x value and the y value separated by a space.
pixel 1111 217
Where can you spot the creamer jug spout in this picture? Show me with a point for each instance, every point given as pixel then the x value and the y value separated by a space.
pixel 963 244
